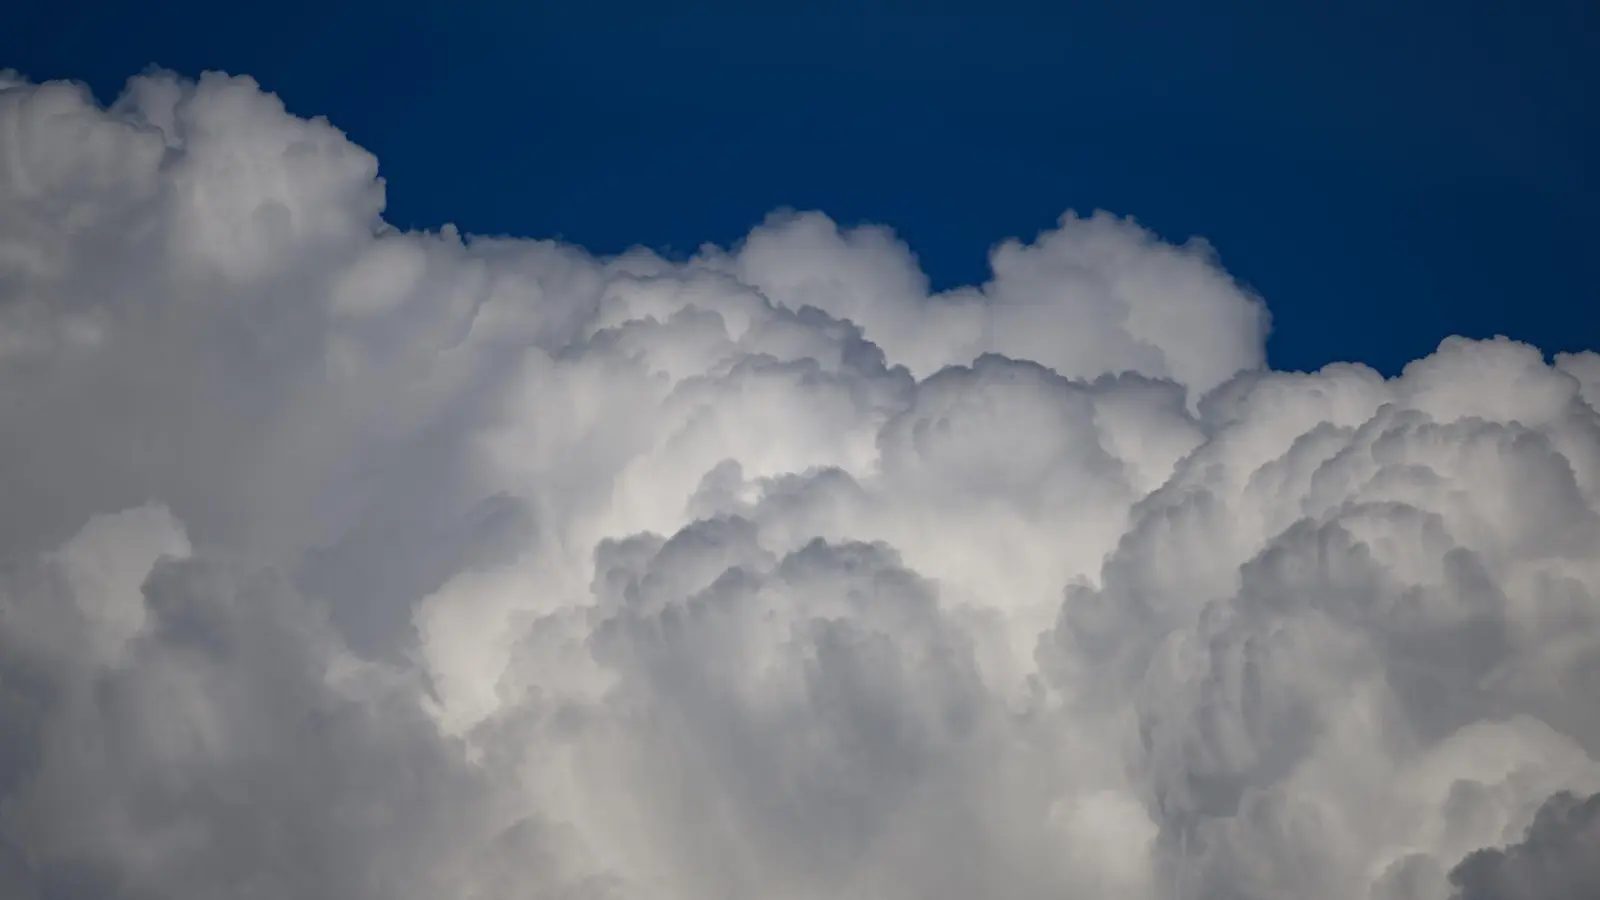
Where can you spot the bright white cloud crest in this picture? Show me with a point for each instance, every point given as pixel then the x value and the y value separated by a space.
pixel 341 562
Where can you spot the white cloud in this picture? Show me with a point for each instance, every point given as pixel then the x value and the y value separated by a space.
pixel 345 562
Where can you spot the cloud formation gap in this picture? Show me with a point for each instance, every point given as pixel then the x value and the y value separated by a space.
pixel 340 562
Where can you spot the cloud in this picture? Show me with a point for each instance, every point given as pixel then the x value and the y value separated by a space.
pixel 1556 859
pixel 339 561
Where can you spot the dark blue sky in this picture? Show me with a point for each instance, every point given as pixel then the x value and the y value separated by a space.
pixel 1385 173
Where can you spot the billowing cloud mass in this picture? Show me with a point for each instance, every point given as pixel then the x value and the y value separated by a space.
pixel 1557 861
pixel 342 562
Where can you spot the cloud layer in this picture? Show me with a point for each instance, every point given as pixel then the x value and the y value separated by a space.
pixel 340 562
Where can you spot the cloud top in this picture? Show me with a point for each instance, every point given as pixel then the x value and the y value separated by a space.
pixel 339 561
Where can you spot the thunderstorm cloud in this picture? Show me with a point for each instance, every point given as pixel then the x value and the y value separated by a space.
pixel 344 562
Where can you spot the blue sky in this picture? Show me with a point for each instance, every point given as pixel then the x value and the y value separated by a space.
pixel 1384 173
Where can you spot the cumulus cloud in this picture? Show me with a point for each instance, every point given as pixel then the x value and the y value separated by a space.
pixel 1555 861
pixel 344 562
